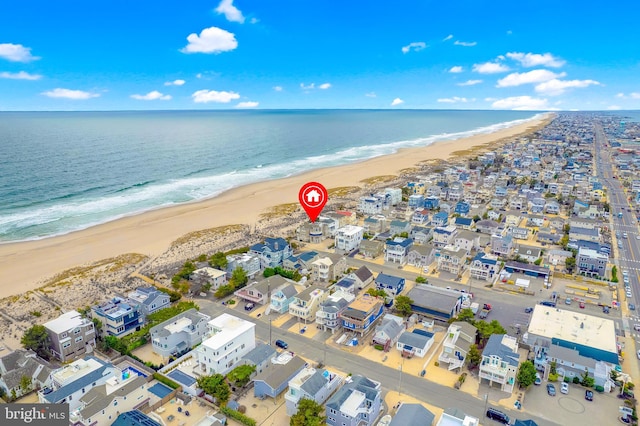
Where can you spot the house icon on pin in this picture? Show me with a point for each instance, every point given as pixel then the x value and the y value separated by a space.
pixel 313 197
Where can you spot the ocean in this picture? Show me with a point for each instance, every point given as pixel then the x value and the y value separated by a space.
pixel 65 171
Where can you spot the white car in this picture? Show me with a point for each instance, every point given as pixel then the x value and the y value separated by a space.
pixel 564 388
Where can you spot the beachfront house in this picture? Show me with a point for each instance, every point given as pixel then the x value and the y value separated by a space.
pixel 208 275
pixel 179 334
pixel 247 261
pixel 272 252
pixel 314 232
pixel 18 364
pixel 316 385
pixel 306 303
pixel 70 336
pixel 150 298
pixel 228 339
pixel 348 238
pixel 357 403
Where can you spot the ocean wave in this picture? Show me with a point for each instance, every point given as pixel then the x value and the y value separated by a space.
pixel 80 211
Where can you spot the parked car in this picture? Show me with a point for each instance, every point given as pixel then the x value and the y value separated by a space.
pixel 605 309
pixel 632 307
pixel 564 388
pixel 567 301
pixel 581 305
pixel 249 306
pixel 638 353
pixel 538 380
pixel 636 327
pixel 551 390
pixel 498 416
pixel 588 395
pixel 281 344
pixel 548 303
pixel 528 310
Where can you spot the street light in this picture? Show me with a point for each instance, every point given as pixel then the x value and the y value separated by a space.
pixel 486 401
pixel 400 382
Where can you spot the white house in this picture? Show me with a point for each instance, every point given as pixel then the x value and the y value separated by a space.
pixel 229 338
pixel 348 238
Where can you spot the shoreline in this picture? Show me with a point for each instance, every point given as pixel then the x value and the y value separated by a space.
pixel 23 265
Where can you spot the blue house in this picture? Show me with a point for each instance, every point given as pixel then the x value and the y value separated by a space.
pixel 275 378
pixel 440 219
pixel 272 252
pixel 362 313
pixel 500 191
pixel 462 207
pixel 463 222
pixel 390 284
pixel 416 201
pixel 119 316
pixel 431 203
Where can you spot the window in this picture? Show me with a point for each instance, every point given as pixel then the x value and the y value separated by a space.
pixel 78 339
pixel 76 331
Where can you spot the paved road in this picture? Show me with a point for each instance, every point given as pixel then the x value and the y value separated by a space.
pixel 390 378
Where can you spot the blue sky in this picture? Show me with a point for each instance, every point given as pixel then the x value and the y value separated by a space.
pixel 117 54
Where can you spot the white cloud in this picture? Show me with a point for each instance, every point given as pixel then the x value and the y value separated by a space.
pixel 635 95
pixel 397 101
pixel 229 11
pixel 152 96
pixel 509 32
pixel 520 103
pixel 204 96
pixel 371 95
pixel 455 99
pixel 277 88
pixel 614 107
pixel 70 94
pixel 447 38
pixel 308 86
pixel 16 53
pixel 247 104
pixel 175 83
pixel 21 75
pixel 324 86
pixel 557 87
pixel 465 43
pixel 254 20
pixel 416 46
pixel 536 59
pixel 535 76
pixel 470 83
pixel 490 68
pixel 210 40
pixel 455 69
pixel 620 95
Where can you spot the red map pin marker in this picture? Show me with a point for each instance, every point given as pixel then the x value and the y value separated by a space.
pixel 313 196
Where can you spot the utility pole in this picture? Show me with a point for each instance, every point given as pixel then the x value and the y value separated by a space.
pixel 486 401
pixel 400 383
pixel 270 331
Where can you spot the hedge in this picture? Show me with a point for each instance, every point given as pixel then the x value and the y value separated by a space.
pixel 165 380
pixel 237 415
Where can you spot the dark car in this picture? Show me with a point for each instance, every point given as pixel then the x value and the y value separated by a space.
pixel 528 310
pixel 551 390
pixel 588 395
pixel 605 309
pixel 498 416
pixel 632 307
pixel 281 344
pixel 548 303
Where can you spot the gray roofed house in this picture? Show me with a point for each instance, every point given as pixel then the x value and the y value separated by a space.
pixel 363 276
pixel 260 356
pixel 281 297
pixel 500 360
pixel 275 379
pixel 313 384
pixel 388 331
pixel 412 414
pixel 110 399
pixel 357 403
pixel 421 255
pixel 258 292
pixel 19 363
pixel 371 249
pixel 459 338
pixel 415 343
pixel 179 334
pixel 328 313
pixel 435 302
pixel 150 298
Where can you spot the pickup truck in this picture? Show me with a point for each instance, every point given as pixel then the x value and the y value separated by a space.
pixel 485 311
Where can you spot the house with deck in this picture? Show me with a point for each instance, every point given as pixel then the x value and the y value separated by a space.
pixel 500 361
pixel 361 314
pixel 459 338
pixel 452 260
pixel 392 285
pixel 388 331
pixel 357 403
pixel 421 255
pixel 414 343
pixel 281 297
pixel 306 303
pixel 310 383
pixel 272 252
pixel 484 267
pixel 179 334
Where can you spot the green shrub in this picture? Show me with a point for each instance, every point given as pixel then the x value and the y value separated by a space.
pixel 576 380
pixel 236 415
pixel 599 389
pixel 567 379
pixel 379 347
pixel 165 380
pixel 437 364
pixel 553 377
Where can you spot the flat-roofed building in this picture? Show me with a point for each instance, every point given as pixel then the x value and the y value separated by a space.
pixel 435 302
pixel 71 336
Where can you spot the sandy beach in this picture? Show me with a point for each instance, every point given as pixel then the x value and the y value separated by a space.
pixel 24 265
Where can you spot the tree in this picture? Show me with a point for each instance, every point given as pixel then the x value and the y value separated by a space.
pixel 309 414
pixel 570 263
pixel 241 375
pixel 587 381
pixel 473 357
pixel 421 280
pixel 36 338
pixel 538 261
pixel 403 305
pixel 25 384
pixel 218 260
pixel 377 293
pixel 239 277
pixel 466 315
pixel 526 374
pixel 215 386
pixel 268 272
pixel 97 324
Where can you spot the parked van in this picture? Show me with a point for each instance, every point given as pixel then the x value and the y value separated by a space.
pixel 281 344
pixel 498 416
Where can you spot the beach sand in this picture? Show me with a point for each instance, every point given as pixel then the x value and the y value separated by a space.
pixel 24 265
